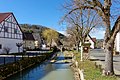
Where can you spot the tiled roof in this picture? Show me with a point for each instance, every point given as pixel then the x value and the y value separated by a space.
pixel 94 39
pixel 3 16
pixel 28 36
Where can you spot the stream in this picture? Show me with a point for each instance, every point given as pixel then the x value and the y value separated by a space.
pixel 46 71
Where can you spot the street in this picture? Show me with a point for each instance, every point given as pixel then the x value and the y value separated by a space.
pixel 99 55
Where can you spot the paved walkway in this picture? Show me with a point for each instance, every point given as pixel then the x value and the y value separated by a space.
pixel 99 54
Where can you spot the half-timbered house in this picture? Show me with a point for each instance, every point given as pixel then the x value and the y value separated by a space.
pixel 10 33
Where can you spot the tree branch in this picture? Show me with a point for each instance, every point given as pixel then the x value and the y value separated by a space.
pixel 98 3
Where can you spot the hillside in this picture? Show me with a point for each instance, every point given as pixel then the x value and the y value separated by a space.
pixel 32 28
pixel 36 29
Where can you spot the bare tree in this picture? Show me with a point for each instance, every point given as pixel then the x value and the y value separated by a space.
pixel 6 50
pixel 69 43
pixel 105 9
pixel 80 23
pixel 73 37
pixel 19 45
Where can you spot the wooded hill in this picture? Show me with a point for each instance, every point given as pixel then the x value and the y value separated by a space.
pixel 36 29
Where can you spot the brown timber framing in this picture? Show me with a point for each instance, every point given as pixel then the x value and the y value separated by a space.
pixel 11 30
pixel 2 27
pixel 17 23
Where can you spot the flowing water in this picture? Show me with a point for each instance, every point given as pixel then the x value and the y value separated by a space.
pixel 46 71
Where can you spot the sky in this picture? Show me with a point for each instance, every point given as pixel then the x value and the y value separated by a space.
pixel 40 12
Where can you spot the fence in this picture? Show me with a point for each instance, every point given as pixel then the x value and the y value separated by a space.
pixel 5 59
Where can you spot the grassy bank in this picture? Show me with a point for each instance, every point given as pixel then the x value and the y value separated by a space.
pixel 90 70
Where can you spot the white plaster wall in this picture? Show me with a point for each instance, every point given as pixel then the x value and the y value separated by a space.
pixel 29 44
pixel 11 43
pixel 92 44
pixel 117 42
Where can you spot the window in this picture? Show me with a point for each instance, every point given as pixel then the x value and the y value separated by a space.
pixel 6 29
pixel 15 31
pixel 0 46
pixel 86 40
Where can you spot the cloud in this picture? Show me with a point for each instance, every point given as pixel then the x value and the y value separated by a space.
pixel 99 34
pixel 63 32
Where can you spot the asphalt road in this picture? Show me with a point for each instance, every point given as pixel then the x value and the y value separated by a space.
pixel 100 55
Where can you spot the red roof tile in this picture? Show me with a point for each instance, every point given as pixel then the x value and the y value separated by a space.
pixel 94 39
pixel 3 16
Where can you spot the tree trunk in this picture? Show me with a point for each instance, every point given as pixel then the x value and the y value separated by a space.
pixel 78 44
pixel 108 44
pixel 109 54
pixel 81 52
pixel 110 47
pixel 106 20
pixel 106 37
pixel 108 50
pixel 109 59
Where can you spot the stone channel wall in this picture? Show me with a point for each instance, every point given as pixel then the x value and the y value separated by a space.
pixel 15 67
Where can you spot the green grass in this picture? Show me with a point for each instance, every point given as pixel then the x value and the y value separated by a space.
pixel 90 71
pixel 93 73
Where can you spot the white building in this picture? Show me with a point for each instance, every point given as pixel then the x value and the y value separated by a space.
pixel 117 42
pixel 91 41
pixel 10 33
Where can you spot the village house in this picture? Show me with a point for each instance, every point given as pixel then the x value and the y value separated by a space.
pixel 117 43
pixel 38 41
pixel 28 41
pixel 10 33
pixel 90 40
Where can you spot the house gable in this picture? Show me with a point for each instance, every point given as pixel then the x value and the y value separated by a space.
pixel 9 27
pixel 91 41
